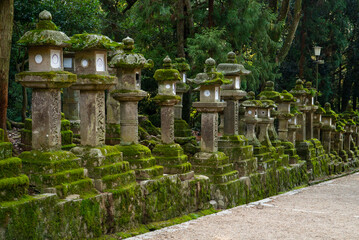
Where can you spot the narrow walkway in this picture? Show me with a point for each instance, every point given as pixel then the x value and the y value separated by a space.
pixel 329 210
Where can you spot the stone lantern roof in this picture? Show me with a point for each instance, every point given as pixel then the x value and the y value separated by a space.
pixel 250 101
pixel 231 67
pixel 128 59
pixel 210 75
pixel 181 64
pixel 294 110
pixel 329 112
pixel 269 93
pixel 45 34
pixel 167 74
pixel 86 41
pixel 299 89
pixel 320 110
pixel 287 97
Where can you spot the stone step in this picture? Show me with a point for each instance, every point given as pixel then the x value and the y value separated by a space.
pixel 227 177
pixel 116 168
pixel 142 163
pixel 271 163
pixel 167 150
pixel 177 169
pixel 246 167
pixel 58 178
pixel 135 151
pixel 5 150
pixel 44 167
pixel 263 157
pixel 115 181
pixel 209 159
pixel 10 167
pixel 149 173
pixel 13 187
pixel 164 161
pixel 211 170
pixel 78 187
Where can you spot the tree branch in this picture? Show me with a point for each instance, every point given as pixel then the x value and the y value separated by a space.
pixel 291 33
pixel 283 10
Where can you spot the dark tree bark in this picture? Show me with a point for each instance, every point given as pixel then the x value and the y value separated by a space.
pixel 291 32
pixel 303 37
pixel 339 88
pixel 6 26
pixel 210 13
pixel 273 4
pixel 180 28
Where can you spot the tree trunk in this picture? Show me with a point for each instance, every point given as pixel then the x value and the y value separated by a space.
pixel 339 87
pixel 24 104
pixel 283 10
pixel 210 13
pixel 291 33
pixel 189 16
pixel 6 25
pixel 180 28
pixel 303 37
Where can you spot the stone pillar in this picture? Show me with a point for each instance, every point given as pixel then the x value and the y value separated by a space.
pixel 92 113
pixel 264 122
pixel 231 118
pixel 46 119
pixel 317 121
pixel 251 105
pixel 284 115
pixel 167 124
pixel 209 132
pixel 301 131
pixel 181 87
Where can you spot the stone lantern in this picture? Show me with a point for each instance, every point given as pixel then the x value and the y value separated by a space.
pixel 250 118
pixel 300 93
pixel 209 161
pixel 293 124
pixel 269 94
pixel 231 93
pixel 263 113
pixel 349 129
pixel 317 121
pixel 92 81
pixel 46 77
pixel 338 143
pixel 328 119
pixel 128 65
pixel 181 87
pixel 167 98
pixel 284 114
pixel 311 92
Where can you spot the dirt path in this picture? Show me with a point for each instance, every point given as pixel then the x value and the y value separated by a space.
pixel 329 210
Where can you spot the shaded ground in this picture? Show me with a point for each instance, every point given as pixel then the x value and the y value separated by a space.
pixel 329 210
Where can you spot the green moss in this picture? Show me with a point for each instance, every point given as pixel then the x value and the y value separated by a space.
pixel 46 25
pixel 98 79
pixel 13 187
pixel 215 78
pixel 2 135
pixel 181 65
pixel 41 37
pixel 52 75
pixel 87 41
pixel 125 91
pixel 164 98
pixel 149 127
pixel 168 75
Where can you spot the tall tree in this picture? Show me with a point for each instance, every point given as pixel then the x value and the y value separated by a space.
pixel 6 26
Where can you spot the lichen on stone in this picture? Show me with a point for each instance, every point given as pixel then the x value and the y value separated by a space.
pixel 87 41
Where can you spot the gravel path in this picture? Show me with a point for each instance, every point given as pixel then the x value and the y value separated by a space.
pixel 329 210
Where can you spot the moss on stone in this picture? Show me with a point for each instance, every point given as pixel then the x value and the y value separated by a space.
pixel 164 98
pixel 46 25
pixel 52 75
pixel 168 75
pixel 41 37
pixel 85 41
pixel 97 78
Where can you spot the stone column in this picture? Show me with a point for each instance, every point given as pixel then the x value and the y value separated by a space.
pixel 167 124
pixel 264 122
pixel 250 120
pixel 209 132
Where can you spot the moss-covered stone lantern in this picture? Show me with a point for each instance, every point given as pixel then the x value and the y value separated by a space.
pixel 209 161
pixel 128 65
pixel 92 81
pixel 231 93
pixel 270 94
pixel 292 123
pixel 317 121
pixel 263 112
pixel 328 119
pixel 167 79
pixel 300 93
pixel 181 87
pixel 46 77
pixel 284 114
pixel 250 118
pixel 311 92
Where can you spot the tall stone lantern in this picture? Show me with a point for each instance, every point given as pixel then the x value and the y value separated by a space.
pixel 311 92
pixel 250 118
pixel 92 81
pixel 300 93
pixel 293 124
pixel 328 119
pixel 168 154
pixel 46 77
pixel 128 65
pixel 209 161
pixel 231 93
pixel 181 87
pixel 265 120
pixel 317 121
pixel 284 114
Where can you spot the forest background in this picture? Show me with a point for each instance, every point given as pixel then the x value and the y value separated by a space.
pixel 274 39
